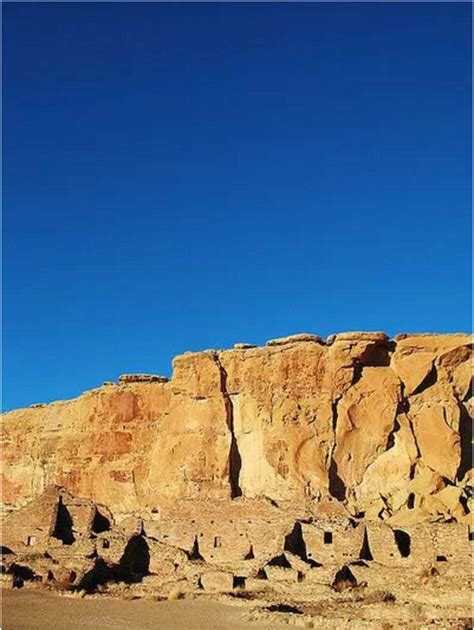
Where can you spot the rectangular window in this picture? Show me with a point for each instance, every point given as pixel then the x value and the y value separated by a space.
pixel 217 541
pixel 327 538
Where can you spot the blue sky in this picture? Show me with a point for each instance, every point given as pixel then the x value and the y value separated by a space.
pixel 181 176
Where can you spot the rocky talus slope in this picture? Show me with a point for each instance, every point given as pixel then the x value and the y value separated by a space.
pixel 381 425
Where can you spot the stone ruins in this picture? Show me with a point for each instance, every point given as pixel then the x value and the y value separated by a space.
pixel 304 462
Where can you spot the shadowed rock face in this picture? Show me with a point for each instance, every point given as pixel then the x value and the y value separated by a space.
pixel 380 424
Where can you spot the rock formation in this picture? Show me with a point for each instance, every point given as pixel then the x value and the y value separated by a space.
pixel 381 425
pixel 286 474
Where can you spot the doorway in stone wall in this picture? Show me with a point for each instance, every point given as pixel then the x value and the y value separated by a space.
pixel 63 527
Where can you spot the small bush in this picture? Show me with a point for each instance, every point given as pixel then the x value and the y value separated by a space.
pixel 429 572
pixel 63 585
pixel 344 580
pixel 284 608
pixel 175 593
pixel 378 597
pixel 343 585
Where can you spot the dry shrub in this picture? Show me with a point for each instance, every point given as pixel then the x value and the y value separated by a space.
pixel 343 585
pixel 74 594
pixel 129 596
pixel 379 597
pixel 175 593
pixel 429 572
pixel 63 584
pixel 344 580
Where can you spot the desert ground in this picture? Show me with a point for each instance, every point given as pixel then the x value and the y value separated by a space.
pixel 431 605
pixel 36 610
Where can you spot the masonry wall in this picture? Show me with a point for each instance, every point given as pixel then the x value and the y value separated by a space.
pixel 333 542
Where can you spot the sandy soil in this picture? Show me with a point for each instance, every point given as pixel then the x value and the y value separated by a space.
pixel 31 610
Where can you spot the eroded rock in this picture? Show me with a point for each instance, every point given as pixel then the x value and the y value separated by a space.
pixel 355 419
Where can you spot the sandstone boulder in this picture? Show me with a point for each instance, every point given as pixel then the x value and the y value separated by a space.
pixel 217 581
pixel 299 338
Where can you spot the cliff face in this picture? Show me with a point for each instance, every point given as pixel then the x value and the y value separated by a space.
pixel 381 425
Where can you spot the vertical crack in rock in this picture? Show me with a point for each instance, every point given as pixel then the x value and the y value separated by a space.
pixel 465 436
pixel 430 379
pixel 235 460
pixel 404 408
pixel 337 487
pixel 391 435
pixel 417 446
pixel 357 373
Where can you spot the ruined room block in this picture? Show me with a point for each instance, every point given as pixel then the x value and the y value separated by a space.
pixel 321 576
pixel 110 546
pixel 281 574
pixel 165 560
pixel 452 543
pixel 223 541
pixel 81 512
pixel 176 532
pixel 225 532
pixel 31 525
pixel 131 526
pixel 332 541
pixel 443 544
pixel 217 581
pixel 387 545
pixel 233 540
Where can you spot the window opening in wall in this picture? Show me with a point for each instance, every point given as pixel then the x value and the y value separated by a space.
pixel 194 555
pixel 441 559
pixel 238 581
pixel 261 575
pixel 100 523
pixel 30 541
pixel 471 535
pixel 328 538
pixel 403 542
pixel 250 555
pixel 217 541
pixel 365 553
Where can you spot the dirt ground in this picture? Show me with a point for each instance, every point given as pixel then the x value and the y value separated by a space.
pixel 36 610
pixel 381 600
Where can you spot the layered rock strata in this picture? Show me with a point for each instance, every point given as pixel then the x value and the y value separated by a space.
pixel 381 425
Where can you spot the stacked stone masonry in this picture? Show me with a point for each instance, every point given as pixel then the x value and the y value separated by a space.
pixel 278 463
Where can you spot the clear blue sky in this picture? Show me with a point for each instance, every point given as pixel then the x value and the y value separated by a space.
pixel 181 177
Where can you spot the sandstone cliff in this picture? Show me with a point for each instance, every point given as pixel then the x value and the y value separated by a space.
pixel 380 425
